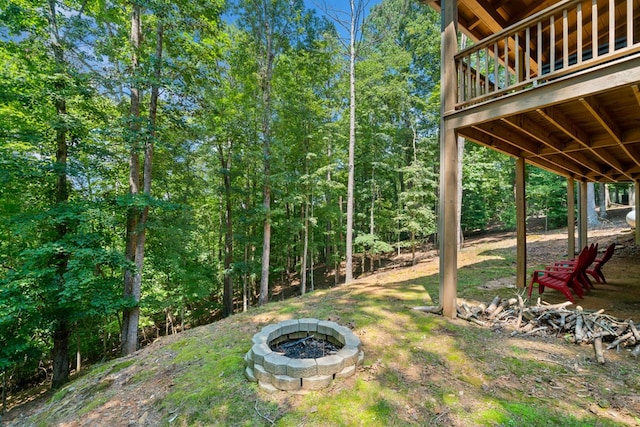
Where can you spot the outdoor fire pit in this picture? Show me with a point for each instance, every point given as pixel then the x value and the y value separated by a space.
pixel 303 354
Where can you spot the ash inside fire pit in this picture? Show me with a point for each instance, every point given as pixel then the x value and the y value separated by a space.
pixel 305 348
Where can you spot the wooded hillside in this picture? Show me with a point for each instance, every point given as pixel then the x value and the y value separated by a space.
pixel 166 164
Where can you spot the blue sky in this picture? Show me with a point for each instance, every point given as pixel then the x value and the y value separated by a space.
pixel 338 5
pixel 339 8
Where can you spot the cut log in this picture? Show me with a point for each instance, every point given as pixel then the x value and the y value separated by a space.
pixel 617 342
pixel 579 334
pixel 497 311
pixel 429 309
pixel 597 346
pixel 633 328
pixel 493 306
pixel 520 310
pixel 558 306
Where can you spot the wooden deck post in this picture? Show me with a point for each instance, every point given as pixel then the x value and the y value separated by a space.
pixel 448 218
pixel 582 215
pixel 521 224
pixel 637 204
pixel 571 217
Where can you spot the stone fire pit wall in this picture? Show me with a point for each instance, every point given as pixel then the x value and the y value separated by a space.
pixel 273 371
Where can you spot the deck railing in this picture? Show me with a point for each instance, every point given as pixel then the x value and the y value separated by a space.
pixel 570 36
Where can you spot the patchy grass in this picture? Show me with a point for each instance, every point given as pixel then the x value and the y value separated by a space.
pixel 419 369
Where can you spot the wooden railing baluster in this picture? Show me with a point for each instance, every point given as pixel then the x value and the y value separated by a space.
pixel 529 53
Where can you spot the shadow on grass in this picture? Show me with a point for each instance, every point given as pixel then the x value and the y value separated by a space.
pixel 426 370
pixel 419 369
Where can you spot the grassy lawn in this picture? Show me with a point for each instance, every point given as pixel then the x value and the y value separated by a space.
pixel 419 369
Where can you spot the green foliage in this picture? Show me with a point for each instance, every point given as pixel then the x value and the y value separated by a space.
pixel 547 196
pixel 416 216
pixel 34 296
pixel 370 243
pixel 488 189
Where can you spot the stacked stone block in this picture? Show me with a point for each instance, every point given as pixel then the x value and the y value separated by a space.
pixel 273 371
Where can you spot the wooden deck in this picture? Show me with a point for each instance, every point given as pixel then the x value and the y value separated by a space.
pixel 558 87
pixel 552 83
pixel 584 126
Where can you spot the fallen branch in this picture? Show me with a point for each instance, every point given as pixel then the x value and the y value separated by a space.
pixel 272 422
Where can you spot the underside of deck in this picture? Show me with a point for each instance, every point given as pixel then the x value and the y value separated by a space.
pixel 584 126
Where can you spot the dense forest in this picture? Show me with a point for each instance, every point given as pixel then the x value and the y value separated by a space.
pixel 165 164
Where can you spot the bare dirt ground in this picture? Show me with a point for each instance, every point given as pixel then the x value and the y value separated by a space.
pixel 610 391
pixel 620 296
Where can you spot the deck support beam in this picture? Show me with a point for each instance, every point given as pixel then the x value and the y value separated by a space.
pixel 521 224
pixel 448 221
pixel 637 205
pixel 571 218
pixel 582 216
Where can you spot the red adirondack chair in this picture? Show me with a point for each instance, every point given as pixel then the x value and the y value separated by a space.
pixel 563 281
pixel 568 266
pixel 596 271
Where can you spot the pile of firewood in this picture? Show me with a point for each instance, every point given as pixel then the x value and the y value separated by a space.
pixel 582 327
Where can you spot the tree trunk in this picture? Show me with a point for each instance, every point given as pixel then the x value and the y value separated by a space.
pixel 60 354
pixel 592 216
pixel 305 244
pixel 130 315
pixel 305 248
pixel 311 254
pixel 461 140
pixel 245 280
pixel 62 331
pixel 289 262
pixel 332 241
pixel 227 294
pixel 413 248
pixel 603 200
pixel 352 145
pixel 266 248
pixel 78 355
pixel 4 393
pixel 266 74
pixel 372 228
pixel 460 236
pixel 137 219
pixel 341 238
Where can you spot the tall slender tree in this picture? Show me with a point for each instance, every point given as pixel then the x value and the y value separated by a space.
pixel 62 330
pixel 353 25
pixel 271 25
pixel 135 230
